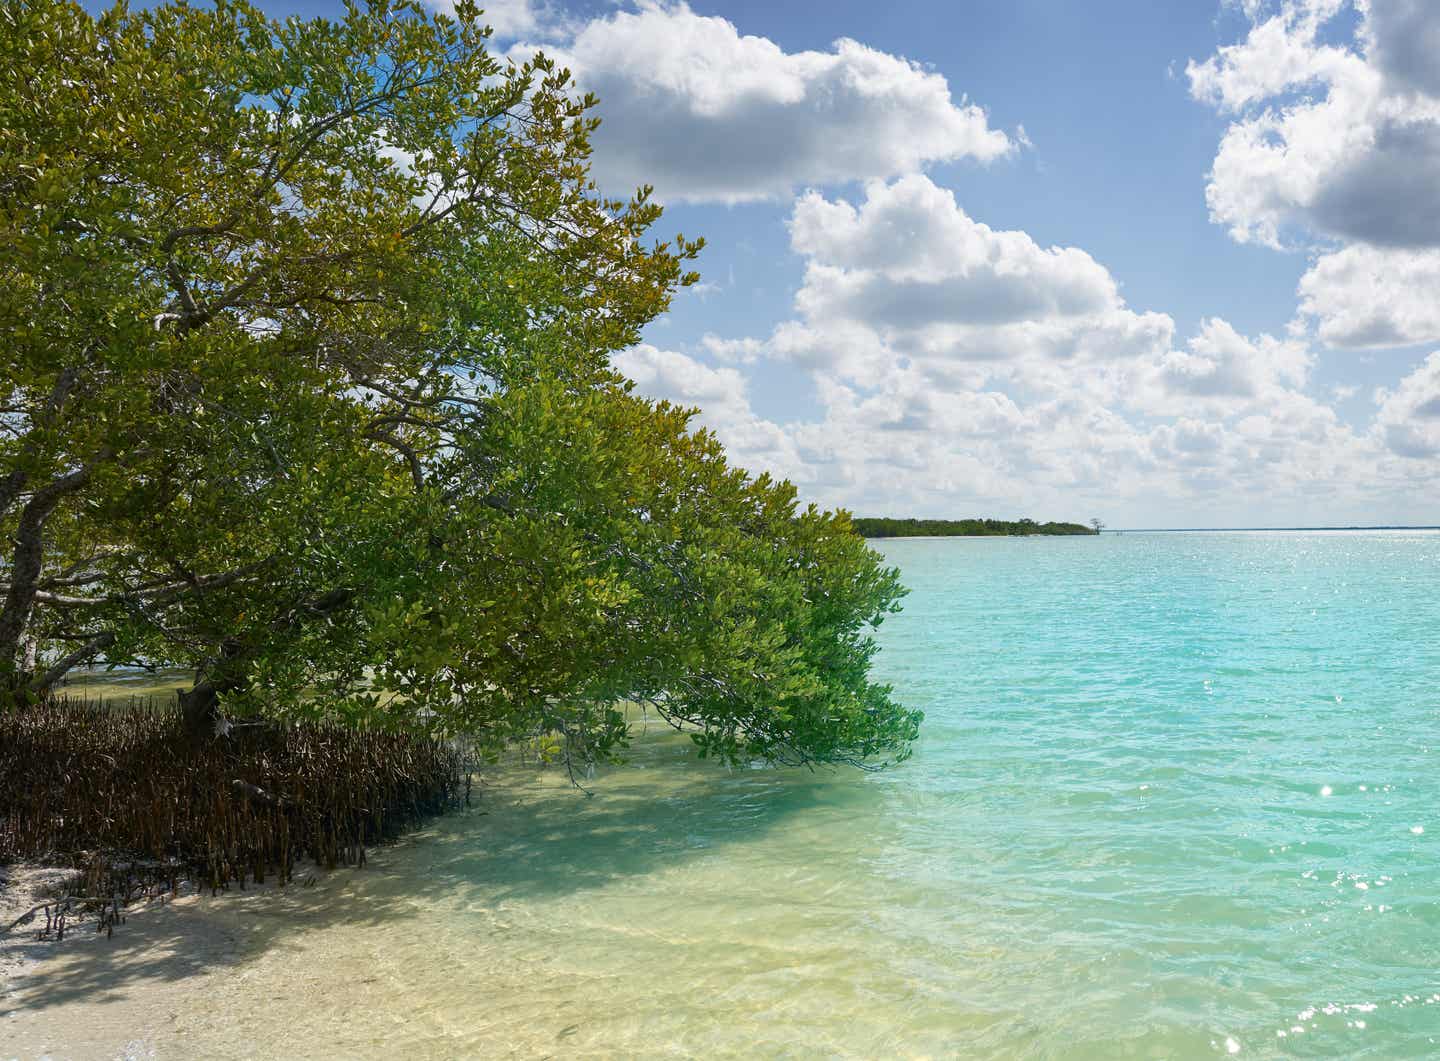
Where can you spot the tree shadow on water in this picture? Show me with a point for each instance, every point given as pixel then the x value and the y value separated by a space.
pixel 557 843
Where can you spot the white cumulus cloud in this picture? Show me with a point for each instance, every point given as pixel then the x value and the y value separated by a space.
pixel 908 273
pixel 1364 296
pixel 1409 414
pixel 706 113
pixel 1335 145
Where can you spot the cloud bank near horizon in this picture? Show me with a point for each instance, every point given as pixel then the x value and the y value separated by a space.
pixel 960 368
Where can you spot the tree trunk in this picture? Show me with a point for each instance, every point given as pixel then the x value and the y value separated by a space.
pixel 200 706
pixel 26 563
pixel 200 710
pixel 29 651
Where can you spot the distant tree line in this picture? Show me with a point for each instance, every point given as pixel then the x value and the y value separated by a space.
pixel 874 527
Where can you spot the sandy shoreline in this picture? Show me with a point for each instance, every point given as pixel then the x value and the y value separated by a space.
pixel 22 885
pixel 90 996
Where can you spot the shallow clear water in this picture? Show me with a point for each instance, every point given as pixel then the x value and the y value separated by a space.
pixel 1176 797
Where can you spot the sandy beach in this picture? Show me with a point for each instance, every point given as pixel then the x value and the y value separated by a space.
pixel 89 996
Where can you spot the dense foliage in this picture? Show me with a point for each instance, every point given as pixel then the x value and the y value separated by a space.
pixel 871 527
pixel 306 387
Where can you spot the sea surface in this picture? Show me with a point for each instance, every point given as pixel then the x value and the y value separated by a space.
pixel 1177 796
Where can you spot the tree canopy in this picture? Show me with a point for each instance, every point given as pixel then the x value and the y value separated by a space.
pixel 307 388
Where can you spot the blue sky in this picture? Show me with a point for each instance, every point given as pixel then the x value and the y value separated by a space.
pixel 1166 264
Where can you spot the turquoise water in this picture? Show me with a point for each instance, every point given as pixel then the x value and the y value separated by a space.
pixel 1185 782
pixel 1176 797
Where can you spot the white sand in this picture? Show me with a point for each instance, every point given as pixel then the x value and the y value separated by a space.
pixel 90 996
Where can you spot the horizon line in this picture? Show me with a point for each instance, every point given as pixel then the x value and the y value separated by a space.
pixel 1346 527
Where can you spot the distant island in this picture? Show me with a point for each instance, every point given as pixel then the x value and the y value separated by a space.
pixel 875 527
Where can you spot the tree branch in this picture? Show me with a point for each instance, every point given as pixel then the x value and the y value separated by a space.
pixel 66 664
